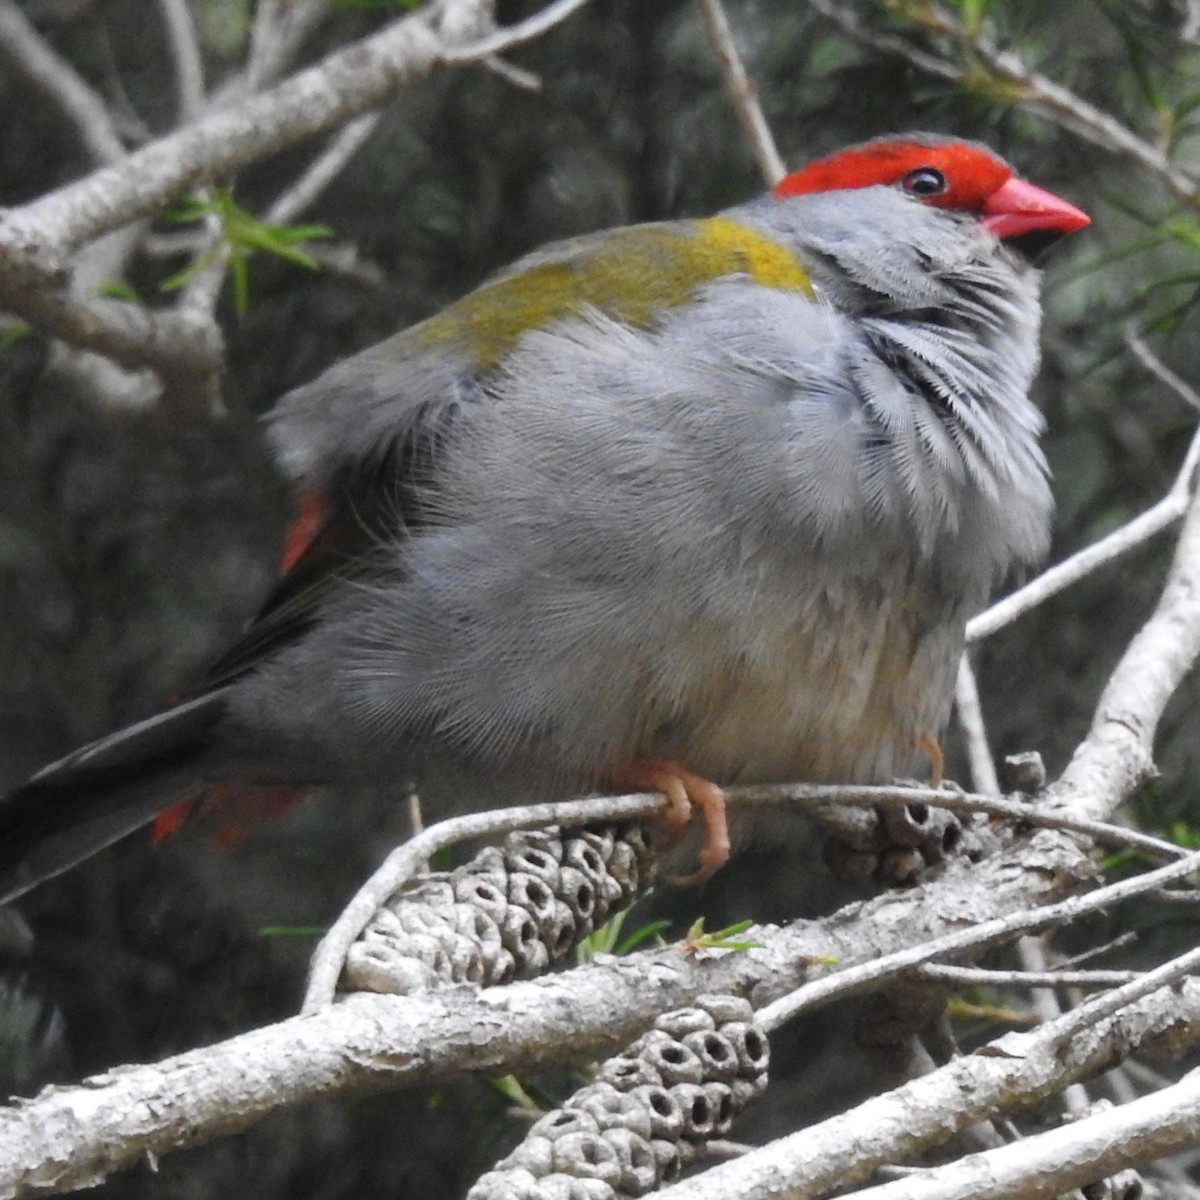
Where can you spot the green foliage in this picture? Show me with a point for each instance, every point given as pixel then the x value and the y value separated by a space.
pixel 720 939
pixel 242 234
pixel 1185 835
pixel 118 289
pixel 972 13
pixel 14 334
pixel 516 1093
pixel 607 938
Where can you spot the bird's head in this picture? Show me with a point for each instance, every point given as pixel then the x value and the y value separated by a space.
pixel 959 176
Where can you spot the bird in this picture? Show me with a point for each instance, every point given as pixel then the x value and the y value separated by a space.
pixel 676 505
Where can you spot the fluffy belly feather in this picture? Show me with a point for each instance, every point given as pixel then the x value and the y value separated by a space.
pixel 843 696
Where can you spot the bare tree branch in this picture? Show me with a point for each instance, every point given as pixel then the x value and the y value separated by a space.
pixel 323 170
pixel 408 859
pixel 185 53
pixel 990 977
pixel 69 1137
pixel 855 979
pixel 969 710
pixel 1079 1153
pixel 1038 94
pixel 185 352
pixel 345 83
pixel 1159 369
pixel 83 106
pixel 1117 756
pixel 742 92
pixel 1153 521
pixel 1012 1073
pixel 35 237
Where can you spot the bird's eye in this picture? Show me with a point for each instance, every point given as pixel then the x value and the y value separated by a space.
pixel 925 181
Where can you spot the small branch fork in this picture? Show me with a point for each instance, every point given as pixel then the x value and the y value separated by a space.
pixel 1005 1077
pixel 1049 99
pixel 37 240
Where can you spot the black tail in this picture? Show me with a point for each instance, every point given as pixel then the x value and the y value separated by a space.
pixel 84 802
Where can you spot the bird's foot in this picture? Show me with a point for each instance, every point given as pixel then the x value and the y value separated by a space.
pixel 685 793
pixel 929 746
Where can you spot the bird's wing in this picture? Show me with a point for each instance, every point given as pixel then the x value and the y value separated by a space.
pixel 381 417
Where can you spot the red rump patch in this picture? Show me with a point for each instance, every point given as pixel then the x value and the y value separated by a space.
pixel 170 821
pixel 244 809
pixel 238 810
pixel 311 513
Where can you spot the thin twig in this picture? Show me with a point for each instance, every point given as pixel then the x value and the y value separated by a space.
pixel 991 977
pixel 323 170
pixel 855 979
pixel 1100 1008
pixel 723 1148
pixel 265 39
pixel 969 710
pixel 742 92
pixel 1038 94
pixel 518 77
pixel 514 35
pixel 1166 896
pixel 1159 369
pixel 1157 518
pixel 83 106
pixel 1121 942
pixel 185 54
pixel 1049 583
pixel 955 801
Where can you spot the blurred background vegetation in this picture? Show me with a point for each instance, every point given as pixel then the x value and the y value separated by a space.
pixel 135 542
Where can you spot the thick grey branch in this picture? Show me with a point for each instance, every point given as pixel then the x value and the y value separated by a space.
pixel 1117 756
pixel 36 239
pixel 70 1137
pixel 1082 1152
pixel 344 84
pixel 407 859
pixel 1011 1074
